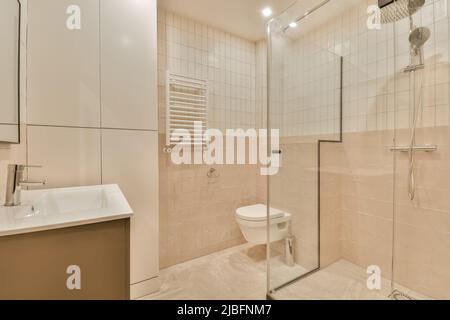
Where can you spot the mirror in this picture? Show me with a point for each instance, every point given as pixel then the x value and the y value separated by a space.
pixel 10 71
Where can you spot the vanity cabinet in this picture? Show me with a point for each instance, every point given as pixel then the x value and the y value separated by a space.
pixel 35 265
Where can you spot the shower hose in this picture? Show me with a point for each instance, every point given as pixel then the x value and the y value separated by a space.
pixel 412 154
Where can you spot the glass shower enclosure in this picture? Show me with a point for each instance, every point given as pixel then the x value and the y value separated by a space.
pixel 360 93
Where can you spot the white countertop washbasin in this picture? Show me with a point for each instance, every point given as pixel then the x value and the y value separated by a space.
pixel 67 207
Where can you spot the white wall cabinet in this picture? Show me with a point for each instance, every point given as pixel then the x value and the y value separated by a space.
pixel 69 156
pixel 129 101
pixel 129 64
pixel 63 64
pixel 129 159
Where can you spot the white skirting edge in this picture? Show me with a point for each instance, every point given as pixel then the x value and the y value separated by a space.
pixel 144 288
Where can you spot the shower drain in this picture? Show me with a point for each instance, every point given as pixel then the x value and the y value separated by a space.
pixel 397 295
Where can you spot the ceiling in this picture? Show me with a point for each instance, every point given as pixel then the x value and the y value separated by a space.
pixel 244 18
pixel 319 17
pixel 239 17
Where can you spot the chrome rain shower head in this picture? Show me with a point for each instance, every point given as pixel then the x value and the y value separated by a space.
pixel 395 10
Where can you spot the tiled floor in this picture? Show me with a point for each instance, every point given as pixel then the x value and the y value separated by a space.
pixel 239 273
pixel 236 273
pixel 340 281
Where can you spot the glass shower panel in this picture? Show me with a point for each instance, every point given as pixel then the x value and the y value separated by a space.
pixel 333 93
pixel 304 104
pixel 422 209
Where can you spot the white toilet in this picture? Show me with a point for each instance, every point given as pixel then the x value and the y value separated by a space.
pixel 253 223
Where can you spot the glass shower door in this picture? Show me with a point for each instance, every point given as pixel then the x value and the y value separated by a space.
pixel 304 105
pixel 370 214
pixel 422 206
pixel 333 82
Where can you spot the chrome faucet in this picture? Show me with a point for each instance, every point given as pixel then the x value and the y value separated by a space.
pixel 15 182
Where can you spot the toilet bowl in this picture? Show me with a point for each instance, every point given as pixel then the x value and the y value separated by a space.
pixel 253 223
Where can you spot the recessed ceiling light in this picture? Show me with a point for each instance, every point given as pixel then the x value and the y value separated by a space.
pixel 293 24
pixel 267 12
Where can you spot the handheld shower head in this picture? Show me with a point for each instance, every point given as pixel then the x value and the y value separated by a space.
pixel 418 37
pixel 395 10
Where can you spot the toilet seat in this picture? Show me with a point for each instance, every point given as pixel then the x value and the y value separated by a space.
pixel 258 212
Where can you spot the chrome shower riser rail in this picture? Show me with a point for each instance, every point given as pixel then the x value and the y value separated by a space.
pixel 424 148
pixel 412 68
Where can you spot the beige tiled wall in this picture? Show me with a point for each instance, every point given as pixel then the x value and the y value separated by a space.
pixel 198 213
pixel 366 171
pixel 373 61
pixel 261 84
pixel 358 201
pixel 330 205
pixel 422 253
pixel 261 108
pixel 294 190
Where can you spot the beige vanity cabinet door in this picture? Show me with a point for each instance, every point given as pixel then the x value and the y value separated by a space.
pixel 34 265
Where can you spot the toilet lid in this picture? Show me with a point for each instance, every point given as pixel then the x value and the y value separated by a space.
pixel 258 212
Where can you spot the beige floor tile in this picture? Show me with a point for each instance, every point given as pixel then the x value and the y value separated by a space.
pixel 239 273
